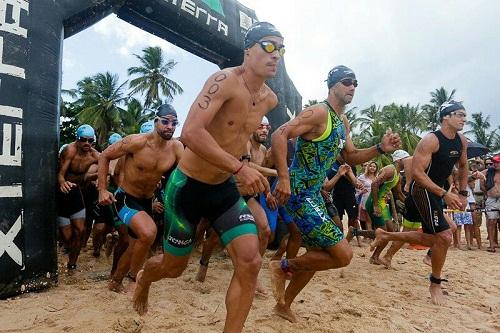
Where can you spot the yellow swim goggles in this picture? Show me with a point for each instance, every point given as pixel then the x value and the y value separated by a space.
pixel 270 47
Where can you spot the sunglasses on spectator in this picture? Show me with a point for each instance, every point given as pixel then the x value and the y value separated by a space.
pixel 269 47
pixel 349 82
pixel 167 122
pixel 489 163
pixel 89 140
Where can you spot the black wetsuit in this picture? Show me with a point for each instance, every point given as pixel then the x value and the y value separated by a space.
pixel 426 206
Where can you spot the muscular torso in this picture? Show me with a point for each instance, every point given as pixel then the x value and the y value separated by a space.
pixel 257 154
pixel 143 169
pixel 79 165
pixel 231 127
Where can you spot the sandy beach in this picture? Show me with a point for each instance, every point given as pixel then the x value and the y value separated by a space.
pixel 359 298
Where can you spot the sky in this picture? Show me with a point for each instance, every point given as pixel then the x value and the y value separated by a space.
pixel 400 50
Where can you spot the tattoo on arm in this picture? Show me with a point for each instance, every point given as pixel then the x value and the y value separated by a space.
pixel 212 90
pixel 307 113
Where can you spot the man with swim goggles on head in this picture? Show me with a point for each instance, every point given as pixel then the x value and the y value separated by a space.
pixel 322 132
pixel 147 157
pixel 74 162
pixel 227 110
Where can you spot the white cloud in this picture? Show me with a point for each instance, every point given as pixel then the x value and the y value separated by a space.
pixel 400 50
pixel 131 38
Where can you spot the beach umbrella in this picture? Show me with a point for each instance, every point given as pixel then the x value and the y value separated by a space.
pixel 475 149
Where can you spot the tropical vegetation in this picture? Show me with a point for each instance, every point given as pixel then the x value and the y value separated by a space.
pixel 110 105
pixel 369 124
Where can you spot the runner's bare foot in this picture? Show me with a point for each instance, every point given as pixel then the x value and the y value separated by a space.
pixel 437 295
pixel 375 261
pixel 386 261
pixel 358 239
pixel 349 235
pixel 141 294
pixel 379 238
pixel 284 312
pixel 427 260
pixel 115 286
pixel 278 279
pixel 202 273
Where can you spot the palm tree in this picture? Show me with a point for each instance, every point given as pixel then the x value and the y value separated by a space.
pixel 134 116
pixel 406 120
pixel 153 77
pixel 100 98
pixel 479 128
pixel 310 102
pixel 368 116
pixel 438 97
pixel 68 121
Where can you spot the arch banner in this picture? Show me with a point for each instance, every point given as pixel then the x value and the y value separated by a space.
pixel 31 38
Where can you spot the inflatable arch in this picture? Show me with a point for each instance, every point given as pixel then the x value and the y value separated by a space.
pixel 31 36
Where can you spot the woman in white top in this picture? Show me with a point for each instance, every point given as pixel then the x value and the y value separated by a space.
pixel 366 178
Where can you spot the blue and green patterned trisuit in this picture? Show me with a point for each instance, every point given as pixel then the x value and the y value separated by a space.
pixel 308 170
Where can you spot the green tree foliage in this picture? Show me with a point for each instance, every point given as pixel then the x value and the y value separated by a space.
pixel 152 77
pixel 101 100
pixel 134 116
pixel 438 97
pixel 480 126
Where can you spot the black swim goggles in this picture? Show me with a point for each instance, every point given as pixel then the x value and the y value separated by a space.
pixel 269 47
pixel 349 81
pixel 89 140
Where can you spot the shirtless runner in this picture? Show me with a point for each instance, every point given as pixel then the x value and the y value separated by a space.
pixel 74 162
pixel 147 157
pixel 227 110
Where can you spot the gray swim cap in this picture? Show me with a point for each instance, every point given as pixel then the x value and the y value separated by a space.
pixel 166 110
pixel 338 73
pixel 448 107
pixel 257 31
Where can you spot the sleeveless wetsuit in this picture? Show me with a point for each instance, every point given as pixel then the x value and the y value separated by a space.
pixel 384 189
pixel 426 206
pixel 187 200
pixel 310 163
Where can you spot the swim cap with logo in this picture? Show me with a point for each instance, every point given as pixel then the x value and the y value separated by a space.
pixel 147 127
pixel 166 110
pixel 257 31
pixel 448 107
pixel 338 73
pixel 113 138
pixel 85 131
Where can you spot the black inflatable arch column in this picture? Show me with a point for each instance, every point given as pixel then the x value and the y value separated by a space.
pixel 31 36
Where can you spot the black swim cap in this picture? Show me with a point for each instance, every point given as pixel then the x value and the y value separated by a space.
pixel 166 110
pixel 448 107
pixel 258 30
pixel 338 73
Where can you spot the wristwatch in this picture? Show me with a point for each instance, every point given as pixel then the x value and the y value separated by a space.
pixel 245 157
pixel 463 193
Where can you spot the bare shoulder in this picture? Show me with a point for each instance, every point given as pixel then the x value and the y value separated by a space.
pixel 133 142
pixel 177 144
pixel 271 97
pixel 69 152
pixel 95 153
pixel 428 144
pixel 227 77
